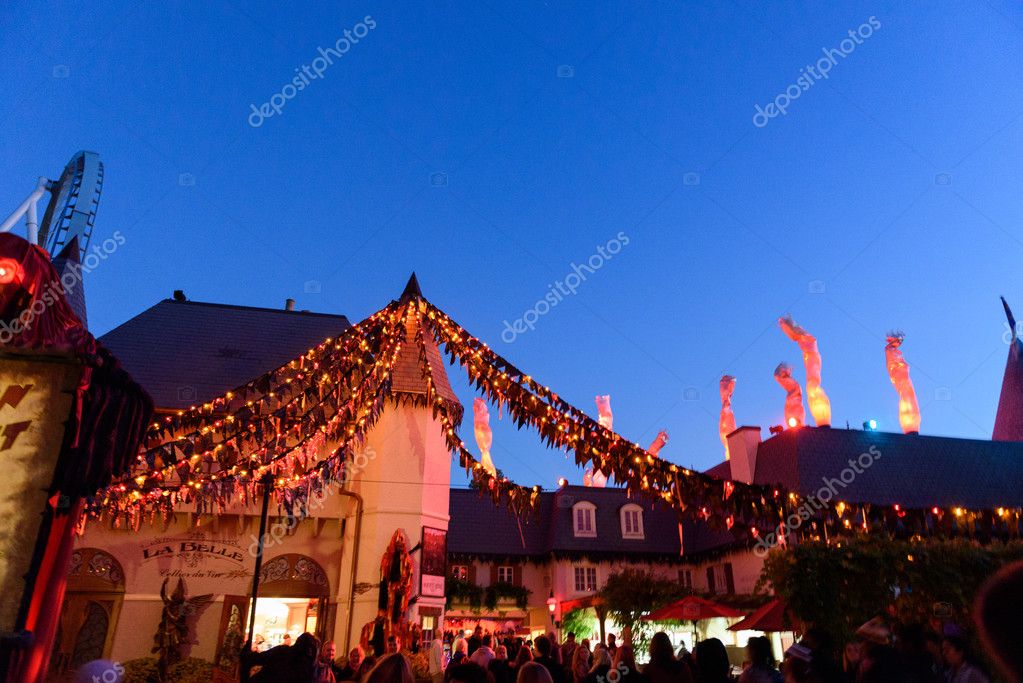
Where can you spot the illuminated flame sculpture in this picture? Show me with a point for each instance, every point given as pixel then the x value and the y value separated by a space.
pixel 820 406
pixel 726 423
pixel 795 415
pixel 593 476
pixel 484 437
pixel 898 372
pixel 658 443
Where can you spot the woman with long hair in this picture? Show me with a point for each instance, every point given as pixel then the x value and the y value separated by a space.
pixel 712 665
pixel 601 666
pixel 525 656
pixel 663 667
pixel 393 668
pixel 580 665
pixel 625 664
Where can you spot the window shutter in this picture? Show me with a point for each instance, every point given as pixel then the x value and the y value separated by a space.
pixel 710 580
pixel 493 573
pixel 729 580
pixel 517 572
pixel 472 573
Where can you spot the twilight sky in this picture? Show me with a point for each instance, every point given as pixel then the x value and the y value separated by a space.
pixel 498 148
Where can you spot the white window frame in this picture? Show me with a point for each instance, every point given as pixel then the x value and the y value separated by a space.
pixel 584 578
pixel 685 578
pixel 505 573
pixel 634 512
pixel 584 520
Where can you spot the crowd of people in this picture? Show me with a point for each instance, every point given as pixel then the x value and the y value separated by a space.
pixel 913 655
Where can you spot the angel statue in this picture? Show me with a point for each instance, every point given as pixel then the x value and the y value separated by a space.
pixel 172 633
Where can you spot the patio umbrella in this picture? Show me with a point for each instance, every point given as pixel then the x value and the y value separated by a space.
pixel 771 616
pixel 694 609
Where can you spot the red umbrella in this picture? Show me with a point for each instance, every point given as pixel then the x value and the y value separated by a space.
pixel 771 616
pixel 692 608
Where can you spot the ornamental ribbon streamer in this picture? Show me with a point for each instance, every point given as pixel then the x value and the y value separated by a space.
pixel 484 437
pixel 299 426
pixel 795 416
pixel 820 406
pixel 726 423
pixel 898 372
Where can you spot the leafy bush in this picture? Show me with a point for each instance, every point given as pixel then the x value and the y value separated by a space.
pixel 141 670
pixel 190 670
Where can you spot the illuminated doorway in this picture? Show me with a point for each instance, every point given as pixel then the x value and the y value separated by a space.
pixel 294 598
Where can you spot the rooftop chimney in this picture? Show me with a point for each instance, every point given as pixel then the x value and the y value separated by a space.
pixel 289 304
pixel 742 449
pixel 179 295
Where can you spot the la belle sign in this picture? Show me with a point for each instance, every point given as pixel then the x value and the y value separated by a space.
pixel 193 550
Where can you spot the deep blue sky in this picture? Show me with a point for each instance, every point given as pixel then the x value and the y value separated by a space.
pixel 338 189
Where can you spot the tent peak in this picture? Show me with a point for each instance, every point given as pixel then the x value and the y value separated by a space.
pixel 412 290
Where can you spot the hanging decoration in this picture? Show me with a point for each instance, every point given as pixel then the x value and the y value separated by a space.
pixel 303 422
pixel 726 423
pixel 484 437
pixel 795 416
pixel 898 372
pixel 820 405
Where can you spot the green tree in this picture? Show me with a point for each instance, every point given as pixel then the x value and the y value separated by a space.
pixel 582 622
pixel 841 586
pixel 634 593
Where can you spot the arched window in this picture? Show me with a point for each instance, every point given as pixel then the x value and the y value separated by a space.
pixel 584 517
pixel 632 521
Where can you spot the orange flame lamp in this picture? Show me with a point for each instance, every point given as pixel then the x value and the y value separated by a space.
pixel 484 437
pixel 795 415
pixel 820 405
pixel 726 423
pixel 898 372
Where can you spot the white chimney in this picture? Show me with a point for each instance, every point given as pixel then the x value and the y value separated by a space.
pixel 742 449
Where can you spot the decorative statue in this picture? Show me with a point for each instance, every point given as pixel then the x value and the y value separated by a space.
pixel 593 476
pixel 820 406
pixel 795 416
pixel 484 437
pixel 898 372
pixel 726 423
pixel 659 442
pixel 172 633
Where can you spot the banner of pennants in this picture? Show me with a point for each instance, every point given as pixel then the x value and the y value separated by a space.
pixel 299 426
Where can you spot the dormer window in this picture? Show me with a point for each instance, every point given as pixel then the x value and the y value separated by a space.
pixel 632 521
pixel 585 516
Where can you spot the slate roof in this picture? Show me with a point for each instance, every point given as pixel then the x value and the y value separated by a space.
pixel 481 529
pixel 913 470
pixel 187 352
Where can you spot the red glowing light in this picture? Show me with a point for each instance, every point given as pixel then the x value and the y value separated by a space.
pixel 9 271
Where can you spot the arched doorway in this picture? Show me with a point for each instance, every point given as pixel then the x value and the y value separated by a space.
pixel 294 598
pixel 92 604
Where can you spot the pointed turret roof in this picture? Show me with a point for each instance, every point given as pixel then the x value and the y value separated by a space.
pixel 408 372
pixel 1009 419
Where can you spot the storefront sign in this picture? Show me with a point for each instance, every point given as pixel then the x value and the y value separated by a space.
pixel 433 562
pixel 194 550
pixel 35 402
